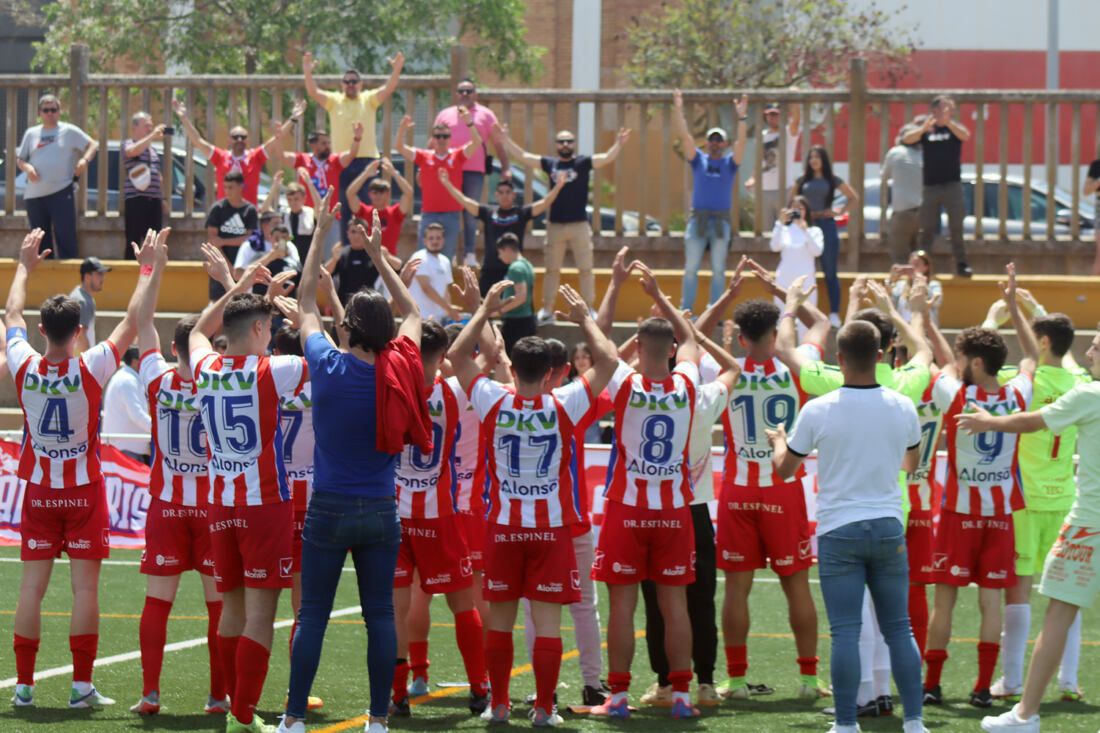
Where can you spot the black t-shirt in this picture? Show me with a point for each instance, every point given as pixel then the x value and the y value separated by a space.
pixel 500 221
pixel 354 271
pixel 571 205
pixel 1094 174
pixel 232 222
pixel 301 241
pixel 942 156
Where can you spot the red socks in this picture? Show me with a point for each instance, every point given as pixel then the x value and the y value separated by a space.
pixel 680 680
pixel 498 659
pixel 618 682
pixel 418 658
pixel 152 635
pixel 227 651
pixel 807 666
pixel 987 663
pixel 26 651
pixel 737 660
pixel 401 680
pixel 918 615
pixel 252 661
pixel 217 678
pixel 468 636
pixel 935 659
pixel 546 660
pixel 83 647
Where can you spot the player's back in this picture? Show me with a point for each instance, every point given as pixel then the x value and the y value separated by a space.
pixel 425 481
pixel 179 472
pixel 60 403
pixel 296 424
pixel 239 403
pixel 921 480
pixel 469 462
pixel 650 464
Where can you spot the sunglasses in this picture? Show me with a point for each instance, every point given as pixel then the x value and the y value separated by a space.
pixel 350 81
pixel 467 92
pixel 565 142
pixel 50 110
pixel 238 137
pixel 441 136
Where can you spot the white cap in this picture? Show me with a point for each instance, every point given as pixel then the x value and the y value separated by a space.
pixel 718 131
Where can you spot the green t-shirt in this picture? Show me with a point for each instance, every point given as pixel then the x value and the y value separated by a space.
pixel 521 271
pixel 1046 459
pixel 1080 408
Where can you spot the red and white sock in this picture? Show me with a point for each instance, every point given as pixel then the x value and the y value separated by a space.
pixel 546 661
pixel 83 648
pixel 469 637
pixel 152 635
pixel 499 653
pixel 252 661
pixel 26 652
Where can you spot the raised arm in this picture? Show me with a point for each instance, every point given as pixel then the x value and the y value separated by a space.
pixel 475 137
pixel 275 142
pixel 742 108
pixel 1028 343
pixel 605 357
pixel 601 159
pixel 809 314
pixel 210 320
pixel 29 257
pixel 189 129
pixel 144 297
pixel 680 126
pixel 403 129
pixel 689 348
pixel 271 200
pixel 402 299
pixel 402 183
pixel 914 136
pixel 620 273
pixel 515 150
pixel 786 341
pixel 397 62
pixel 467 203
pixel 148 339
pixel 717 311
pixel 919 351
pixel 465 368
pixel 544 203
pixel 730 369
pixel 356 140
pixel 360 180
pixel 311 86
pixel 309 314
pixel 140 146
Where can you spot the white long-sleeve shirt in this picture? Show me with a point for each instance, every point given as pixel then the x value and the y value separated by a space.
pixel 798 248
pixel 126 410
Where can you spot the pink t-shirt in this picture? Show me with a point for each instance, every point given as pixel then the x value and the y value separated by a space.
pixel 483 118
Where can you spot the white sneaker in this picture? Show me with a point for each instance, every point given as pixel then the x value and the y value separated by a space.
pixel 1010 721
pixel 1000 691
pixel 844 728
pixel 834 320
pixel 299 727
pixel 79 699
pixel 657 695
pixel 375 727
pixel 23 697
pixel 914 726
pixel 545 317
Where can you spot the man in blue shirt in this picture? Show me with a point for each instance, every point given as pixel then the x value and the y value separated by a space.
pixel 713 170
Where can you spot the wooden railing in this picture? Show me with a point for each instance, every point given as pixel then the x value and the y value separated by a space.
pixel 650 182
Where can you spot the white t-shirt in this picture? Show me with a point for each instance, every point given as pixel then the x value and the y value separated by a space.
pixel 437 268
pixel 126 410
pixel 710 403
pixel 769 178
pixel 861 435
pixel 798 250
pixel 1081 407
pixel 246 255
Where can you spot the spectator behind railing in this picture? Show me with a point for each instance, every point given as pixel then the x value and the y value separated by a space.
pixel 93 273
pixel 771 190
pixel 146 206
pixel 1092 186
pixel 799 243
pixel 902 171
pixel 901 280
pixel 230 223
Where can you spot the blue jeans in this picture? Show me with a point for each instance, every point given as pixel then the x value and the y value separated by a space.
pixel 56 215
pixel 868 553
pixel 712 231
pixel 349 174
pixel 830 259
pixel 451 222
pixel 473 182
pixel 370 529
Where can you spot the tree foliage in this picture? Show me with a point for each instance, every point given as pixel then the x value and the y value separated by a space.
pixel 705 44
pixel 269 36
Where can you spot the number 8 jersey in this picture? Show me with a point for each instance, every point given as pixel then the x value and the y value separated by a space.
pixel 239 402
pixel 60 411
pixel 650 467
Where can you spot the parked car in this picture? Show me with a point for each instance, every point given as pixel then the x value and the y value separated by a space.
pixel 1039 200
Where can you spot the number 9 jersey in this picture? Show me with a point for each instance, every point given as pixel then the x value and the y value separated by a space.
pixel 60 411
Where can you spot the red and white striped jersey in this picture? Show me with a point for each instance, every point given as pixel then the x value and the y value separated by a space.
pixel 296 422
pixel 425 482
pixel 767 395
pixel 60 411
pixel 239 403
pixel 180 463
pixel 650 465
pixel 983 475
pixel 529 450
pixel 469 463
pixel 921 493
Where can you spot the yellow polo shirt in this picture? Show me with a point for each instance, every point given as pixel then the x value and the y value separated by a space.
pixel 344 112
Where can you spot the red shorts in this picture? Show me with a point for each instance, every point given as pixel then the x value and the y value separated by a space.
pixel 537 564
pixel 919 541
pixel 76 520
pixel 473 529
pixel 296 538
pixel 759 524
pixel 253 545
pixel 645 544
pixel 437 549
pixel 979 550
pixel 177 539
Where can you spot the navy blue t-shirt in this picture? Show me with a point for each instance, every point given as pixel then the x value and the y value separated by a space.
pixel 571 205
pixel 345 459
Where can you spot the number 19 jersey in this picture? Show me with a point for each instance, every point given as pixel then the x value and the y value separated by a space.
pixel 60 411
pixel 650 466
pixel 179 474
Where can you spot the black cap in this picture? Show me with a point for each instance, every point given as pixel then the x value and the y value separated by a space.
pixel 93 264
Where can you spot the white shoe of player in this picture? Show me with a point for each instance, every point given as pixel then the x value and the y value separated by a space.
pixel 1010 721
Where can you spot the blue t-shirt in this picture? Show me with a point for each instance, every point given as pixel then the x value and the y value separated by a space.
pixel 713 181
pixel 345 459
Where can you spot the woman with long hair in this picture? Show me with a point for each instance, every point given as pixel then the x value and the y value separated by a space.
pixel 819 186
pixel 901 279
pixel 798 242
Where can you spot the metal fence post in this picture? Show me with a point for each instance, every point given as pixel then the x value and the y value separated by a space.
pixel 857 155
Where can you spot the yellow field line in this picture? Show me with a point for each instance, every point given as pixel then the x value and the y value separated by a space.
pixel 446 692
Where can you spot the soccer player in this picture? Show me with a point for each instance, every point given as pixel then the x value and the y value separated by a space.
pixel 529 550
pixel 760 518
pixel 975 542
pixel 1071 576
pixel 65 501
pixel 251 513
pixel 177 530
pixel 1046 469
pixel 432 541
pixel 648 531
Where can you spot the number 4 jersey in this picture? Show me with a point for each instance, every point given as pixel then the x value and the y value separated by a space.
pixel 179 474
pixel 60 404
pixel 239 399
pixel 983 477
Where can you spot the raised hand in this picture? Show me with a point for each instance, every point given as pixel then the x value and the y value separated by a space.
pixel 918 299
pixel 289 308
pixel 325 217
pixel 146 255
pixel 281 285
pixel 407 123
pixel 408 272
pixel 161 246
pixel 578 309
pixel 308 63
pixel 216 266
pixel 29 255
pixel 742 106
pixel 764 276
pixel 397 62
pixel 647 278
pixel 255 274
pixel 494 298
pixel 1009 287
pixel 357 129
pixel 299 109
pixel 180 108
pixel 858 290
pixel 677 99
pixel 796 296
pixel 620 272
pixel 623 136
pixel 469 296
pixel 738 275
pixel 464 113
pixel 879 296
